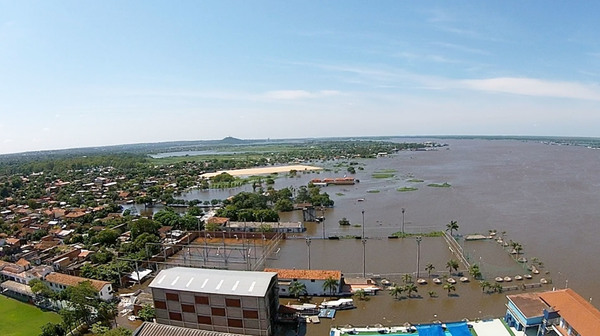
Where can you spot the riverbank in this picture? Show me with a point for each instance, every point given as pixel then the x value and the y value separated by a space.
pixel 263 170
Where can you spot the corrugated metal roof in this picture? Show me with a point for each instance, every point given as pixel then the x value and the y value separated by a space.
pixel 202 280
pixel 156 329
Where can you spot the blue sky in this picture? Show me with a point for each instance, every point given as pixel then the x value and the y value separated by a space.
pixel 92 73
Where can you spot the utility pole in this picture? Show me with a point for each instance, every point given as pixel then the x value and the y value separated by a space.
pixel 419 238
pixel 308 241
pixel 403 210
pixel 364 244
pixel 323 220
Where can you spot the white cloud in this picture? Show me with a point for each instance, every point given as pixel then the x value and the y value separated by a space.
pixel 534 87
pixel 299 94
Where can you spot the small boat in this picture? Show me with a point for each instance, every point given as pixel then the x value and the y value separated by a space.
pixel 505 244
pixel 464 279
pixel 451 280
pixel 385 282
pixel 518 277
pixel 498 279
pixel 535 271
pixel 340 304
pixel 361 200
pixel 507 279
pixel 527 276
pixel 513 251
pixel 544 281
pixel 522 260
pixel 422 282
pixel 492 233
pixel 437 281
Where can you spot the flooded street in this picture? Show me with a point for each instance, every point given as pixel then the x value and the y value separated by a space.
pixel 544 196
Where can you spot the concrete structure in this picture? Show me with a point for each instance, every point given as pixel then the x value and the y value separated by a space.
pixel 284 227
pixel 312 279
pixel 217 300
pixel 59 282
pixel 563 312
pixel 156 329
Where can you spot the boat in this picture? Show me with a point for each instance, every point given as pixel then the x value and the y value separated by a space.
pixel 464 279
pixel 386 282
pixel 535 271
pixel 518 277
pixel 522 260
pixel 361 200
pixel 513 251
pixel 451 280
pixel 498 279
pixel 544 281
pixel 527 276
pixel 507 279
pixel 422 282
pixel 340 304
pixel 437 281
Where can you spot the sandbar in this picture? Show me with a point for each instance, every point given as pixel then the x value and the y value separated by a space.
pixel 262 170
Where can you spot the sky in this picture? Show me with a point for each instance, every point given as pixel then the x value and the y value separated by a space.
pixel 95 73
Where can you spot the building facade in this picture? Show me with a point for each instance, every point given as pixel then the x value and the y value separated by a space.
pixel 217 300
pixel 313 280
pixel 59 282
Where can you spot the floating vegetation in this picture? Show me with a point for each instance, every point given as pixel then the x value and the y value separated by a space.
pixel 382 175
pixel 437 185
pixel 339 194
pixel 426 234
pixel 404 189
pixel 414 180
pixel 372 191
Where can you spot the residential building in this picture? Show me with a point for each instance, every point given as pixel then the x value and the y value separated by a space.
pixel 563 312
pixel 216 300
pixel 59 282
pixel 314 280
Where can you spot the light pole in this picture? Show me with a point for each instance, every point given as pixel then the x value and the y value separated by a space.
pixel 323 220
pixel 308 246
pixel 364 243
pixel 419 238
pixel 363 223
pixel 403 210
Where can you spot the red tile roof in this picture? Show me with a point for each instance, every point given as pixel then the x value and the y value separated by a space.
pixel 575 310
pixel 69 280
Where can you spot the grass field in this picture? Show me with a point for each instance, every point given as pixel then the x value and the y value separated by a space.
pixel 18 318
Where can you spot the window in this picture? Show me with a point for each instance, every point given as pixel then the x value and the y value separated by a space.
pixel 201 300
pixel 312 280
pixel 250 314
pixel 175 316
pixel 160 304
pixel 233 303
pixel 172 296
pixel 188 308
pixel 204 319
pixel 237 323
pixel 217 311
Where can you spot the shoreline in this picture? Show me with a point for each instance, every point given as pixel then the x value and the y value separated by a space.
pixel 263 170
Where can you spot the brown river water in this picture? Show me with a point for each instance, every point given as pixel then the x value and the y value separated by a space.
pixel 546 197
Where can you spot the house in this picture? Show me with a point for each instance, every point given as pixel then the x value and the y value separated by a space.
pixel 240 302
pixel 563 312
pixel 314 280
pixel 59 282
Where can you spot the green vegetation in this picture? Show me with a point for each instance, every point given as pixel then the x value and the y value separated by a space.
pixel 339 194
pixel 427 234
pixel 382 175
pixel 18 318
pixel 437 185
pixel 373 191
pixel 415 180
pixel 404 189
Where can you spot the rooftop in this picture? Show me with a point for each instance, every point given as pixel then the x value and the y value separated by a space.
pixel 305 274
pixel 574 309
pixel 70 280
pixel 242 283
pixel 156 329
pixel 529 304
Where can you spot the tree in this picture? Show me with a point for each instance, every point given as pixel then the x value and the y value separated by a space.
pixel 410 288
pixel 429 268
pixel 452 265
pixel 83 298
pixel 147 313
pixel 53 329
pixel 360 294
pixel 120 331
pixel 69 318
pixel 107 237
pixel 450 288
pixel 107 311
pixel 40 288
pixel 406 278
pixel 432 294
pixel 284 205
pixel 396 290
pixel 142 225
pixel 297 289
pixel 453 225
pixel 474 271
pixel 484 285
pixel 331 285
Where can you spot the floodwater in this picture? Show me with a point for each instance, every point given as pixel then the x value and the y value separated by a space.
pixel 543 196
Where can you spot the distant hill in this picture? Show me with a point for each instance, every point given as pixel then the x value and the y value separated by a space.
pixel 232 141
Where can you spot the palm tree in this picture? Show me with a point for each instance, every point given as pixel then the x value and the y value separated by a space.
pixel 432 293
pixel 396 290
pixel 410 288
pixel 360 294
pixel 453 225
pixel 474 271
pixel 450 288
pixel 484 285
pixel 297 289
pixel 452 265
pixel 330 284
pixel 429 268
pixel 406 278
pixel 497 288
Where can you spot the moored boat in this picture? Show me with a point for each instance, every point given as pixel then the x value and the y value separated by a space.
pixel 518 277
pixel 544 281
pixel 451 280
pixel 498 279
pixel 507 279
pixel 422 281
pixel 464 279
pixel 527 276
pixel 437 281
pixel 340 304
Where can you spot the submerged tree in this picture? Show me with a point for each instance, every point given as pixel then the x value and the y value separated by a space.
pixel 453 225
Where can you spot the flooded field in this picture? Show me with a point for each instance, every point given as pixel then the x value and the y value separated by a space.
pixel 543 196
